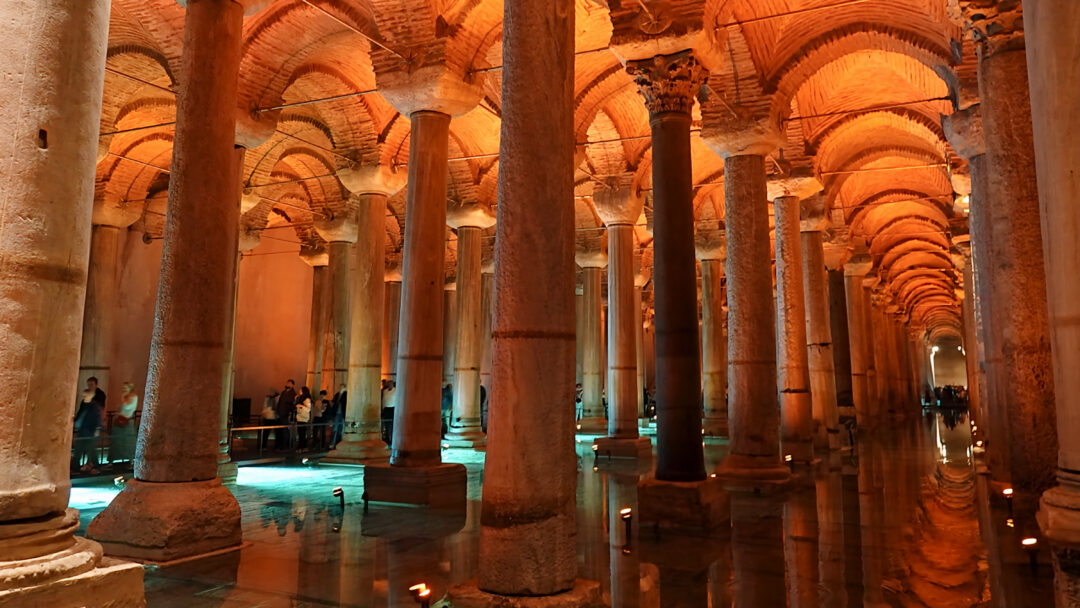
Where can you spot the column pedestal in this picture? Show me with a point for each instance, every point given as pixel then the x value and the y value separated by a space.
pixel 438 486
pixel 623 447
pixel 683 507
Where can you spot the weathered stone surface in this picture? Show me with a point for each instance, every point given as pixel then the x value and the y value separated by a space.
pixel 439 486
pixel 697 507
pixel 584 594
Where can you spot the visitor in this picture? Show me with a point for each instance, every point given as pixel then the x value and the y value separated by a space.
pixel 578 392
pixel 87 421
pixel 386 415
pixel 303 416
pixel 483 408
pixel 122 439
pixel 337 408
pixel 447 407
pixel 285 405
pixel 268 416
pixel 319 420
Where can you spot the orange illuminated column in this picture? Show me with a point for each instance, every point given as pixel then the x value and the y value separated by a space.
pixel 714 360
pixel 593 419
pixel 819 337
pixel 858 339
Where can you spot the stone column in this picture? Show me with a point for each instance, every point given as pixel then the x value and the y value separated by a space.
pixel 669 84
pixel 176 490
pixel 487 310
pixel 390 322
pixel 797 424
pixel 318 260
pixel 1054 72
pixel 753 401
pixel 818 326
pixel 1018 279
pixel 339 233
pixel 971 344
pixel 619 205
pixel 858 339
pixel 429 96
pixel 593 420
pixel 450 331
pixel 470 221
pixel 713 341
pixel 639 330
pixel 362 440
pixel 835 258
pixel 879 339
pixel 527 546
pixel 53 59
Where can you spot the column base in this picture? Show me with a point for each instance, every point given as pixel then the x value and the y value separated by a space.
pixel 371 451
pixel 1059 515
pixel 110 583
pixel 584 594
pixel 715 427
pixel 636 448
pixel 592 426
pixel 466 437
pixel 227 471
pixel 162 522
pixel 682 507
pixel 439 486
pixel 758 473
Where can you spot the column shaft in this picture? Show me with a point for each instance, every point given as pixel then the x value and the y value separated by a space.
pixel 622 336
pixel 320 280
pixel 714 348
pixel 841 343
pixel 819 337
pixel 592 405
pixel 450 332
pixel 341 255
pixel 101 288
pixel 799 433
pixel 465 423
pixel 528 523
pixel 487 312
pixel 391 322
pixel 858 348
pixel 971 344
pixel 417 417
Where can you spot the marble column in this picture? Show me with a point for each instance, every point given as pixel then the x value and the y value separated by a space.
pixel 391 322
pixel 362 441
pixel 528 522
pixel 669 84
pixel 470 221
pixel 879 340
pixel 176 489
pixel 1054 72
pixel 858 340
pixel 818 327
pixel 1018 278
pixel 52 108
pixel 449 331
pixel 619 205
pixel 320 280
pixel 713 341
pixel 876 407
pixel 753 401
pixel 593 420
pixel 339 232
pixel 797 424
pixel 487 310
pixel 971 343
pixel 841 341
pixel 429 96
pixel 639 331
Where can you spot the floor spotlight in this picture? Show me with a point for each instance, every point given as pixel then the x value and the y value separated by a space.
pixel 1008 494
pixel 119 482
pixel 340 493
pixel 421 594
pixel 1031 545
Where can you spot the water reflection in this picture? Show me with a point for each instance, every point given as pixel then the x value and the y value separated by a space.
pixel 902 519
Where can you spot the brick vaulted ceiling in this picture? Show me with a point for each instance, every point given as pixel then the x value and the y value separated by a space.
pixel 857 86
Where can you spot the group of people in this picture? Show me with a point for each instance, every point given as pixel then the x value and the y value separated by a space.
pixel 90 426
pixel 320 423
pixel 946 396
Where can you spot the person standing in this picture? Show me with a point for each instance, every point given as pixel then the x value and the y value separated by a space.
pixel 87 421
pixel 286 404
pixel 303 416
pixel 269 416
pixel 122 439
pixel 447 407
pixel 337 410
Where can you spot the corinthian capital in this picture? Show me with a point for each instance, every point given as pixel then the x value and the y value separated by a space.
pixel 669 83
pixel 996 25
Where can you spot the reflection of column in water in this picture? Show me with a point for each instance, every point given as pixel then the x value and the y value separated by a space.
pixel 757 546
pixel 721 582
pixel 590 525
pixel 356 567
pixel 871 518
pixel 410 561
pixel 830 515
pixel 463 546
pixel 683 588
pixel 801 543
pixel 318 547
pixel 625 575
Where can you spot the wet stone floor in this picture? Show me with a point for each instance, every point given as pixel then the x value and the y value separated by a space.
pixel 903 519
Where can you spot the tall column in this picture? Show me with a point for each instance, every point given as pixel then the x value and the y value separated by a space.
pixel 176 459
pixel 449 331
pixel 1054 71
pixel 340 233
pixel 797 424
pixel 593 420
pixel 53 59
pixel 818 327
pixel 528 528
pixel 429 96
pixel 362 441
pixel 639 331
pixel 971 344
pixel 841 342
pixel 879 338
pixel 487 310
pixel 669 84
pixel 619 205
pixel 391 321
pixel 858 340
pixel 320 281
pixel 1018 279
pixel 470 221
pixel 713 341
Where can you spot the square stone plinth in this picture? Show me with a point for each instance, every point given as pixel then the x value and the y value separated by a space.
pixel 441 486
pixel 584 594
pixel 636 448
pixel 683 507
pixel 112 583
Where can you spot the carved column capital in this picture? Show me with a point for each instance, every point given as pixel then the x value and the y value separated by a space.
pixel 995 25
pixel 669 83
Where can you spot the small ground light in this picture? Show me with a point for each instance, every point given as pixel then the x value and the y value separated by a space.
pixel 627 515
pixel 787 457
pixel 1010 523
pixel 979 443
pixel 1008 494
pixel 119 481
pixel 595 447
pixel 421 594
pixel 1031 545
pixel 446 446
pixel 340 493
pixel 713 475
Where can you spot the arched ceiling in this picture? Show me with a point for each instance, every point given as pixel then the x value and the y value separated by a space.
pixel 856 85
